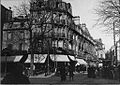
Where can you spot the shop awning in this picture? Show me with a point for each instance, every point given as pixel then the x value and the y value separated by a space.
pixel 81 61
pixel 42 58
pixel 11 58
pixel 60 58
pixel 38 58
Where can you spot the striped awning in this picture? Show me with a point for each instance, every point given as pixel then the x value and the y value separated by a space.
pixel 81 61
pixel 60 58
pixel 38 58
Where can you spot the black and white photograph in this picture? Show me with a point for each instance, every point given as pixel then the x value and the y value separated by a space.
pixel 60 42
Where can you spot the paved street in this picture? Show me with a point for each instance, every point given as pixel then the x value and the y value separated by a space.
pixel 78 79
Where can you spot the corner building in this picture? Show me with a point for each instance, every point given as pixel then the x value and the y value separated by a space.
pixel 64 34
pixel 54 32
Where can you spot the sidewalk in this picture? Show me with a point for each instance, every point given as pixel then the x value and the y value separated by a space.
pixel 42 76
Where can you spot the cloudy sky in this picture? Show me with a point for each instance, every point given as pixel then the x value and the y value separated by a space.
pixel 84 9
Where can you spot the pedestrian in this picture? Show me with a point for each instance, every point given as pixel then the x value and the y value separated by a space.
pixel 71 75
pixel 92 72
pixel 63 72
pixel 89 70
pixel 45 69
pixel 15 75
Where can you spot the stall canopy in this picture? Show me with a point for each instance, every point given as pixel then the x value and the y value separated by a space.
pixel 81 61
pixel 60 58
pixel 11 58
pixel 38 58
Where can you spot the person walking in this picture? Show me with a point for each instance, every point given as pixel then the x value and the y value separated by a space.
pixel 45 70
pixel 63 72
pixel 71 75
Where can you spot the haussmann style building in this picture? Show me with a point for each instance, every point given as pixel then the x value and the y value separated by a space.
pixel 50 30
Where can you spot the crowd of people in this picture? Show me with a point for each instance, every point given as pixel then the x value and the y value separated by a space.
pixel 65 70
pixel 15 74
pixel 106 72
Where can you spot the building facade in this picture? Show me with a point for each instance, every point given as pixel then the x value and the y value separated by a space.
pixel 53 31
pixel 100 49
pixel 6 15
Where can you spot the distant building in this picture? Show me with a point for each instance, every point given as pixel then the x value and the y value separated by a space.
pixel 100 49
pixel 18 38
pixel 6 15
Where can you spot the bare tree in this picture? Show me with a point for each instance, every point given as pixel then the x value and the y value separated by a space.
pixel 22 9
pixel 38 21
pixel 39 24
pixel 109 13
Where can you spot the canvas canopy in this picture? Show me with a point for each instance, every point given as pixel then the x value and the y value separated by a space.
pixel 81 61
pixel 60 58
pixel 38 58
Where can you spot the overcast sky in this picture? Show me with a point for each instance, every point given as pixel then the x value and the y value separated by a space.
pixel 84 9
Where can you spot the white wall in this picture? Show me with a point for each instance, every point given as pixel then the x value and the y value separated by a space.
pixel 101 54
